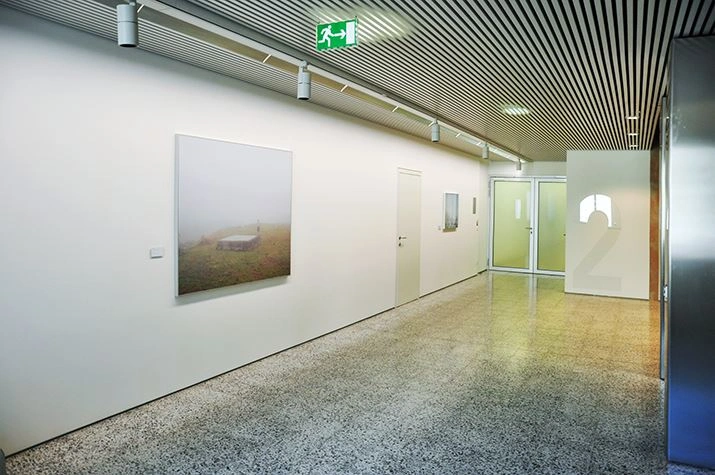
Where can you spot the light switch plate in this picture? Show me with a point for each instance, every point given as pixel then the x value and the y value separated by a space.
pixel 156 252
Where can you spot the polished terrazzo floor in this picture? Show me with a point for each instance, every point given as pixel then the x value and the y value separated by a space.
pixel 502 373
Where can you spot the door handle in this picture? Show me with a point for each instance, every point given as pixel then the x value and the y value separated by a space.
pixel 401 237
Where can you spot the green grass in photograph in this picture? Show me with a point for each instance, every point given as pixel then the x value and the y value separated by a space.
pixel 203 267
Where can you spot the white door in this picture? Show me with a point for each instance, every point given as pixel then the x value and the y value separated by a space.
pixel 409 185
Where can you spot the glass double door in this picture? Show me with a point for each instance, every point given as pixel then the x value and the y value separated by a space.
pixel 528 228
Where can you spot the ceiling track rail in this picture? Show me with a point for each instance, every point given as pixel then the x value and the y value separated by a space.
pixel 206 26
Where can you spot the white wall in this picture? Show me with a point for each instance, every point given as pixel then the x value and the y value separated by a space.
pixel 89 325
pixel 508 168
pixel 602 259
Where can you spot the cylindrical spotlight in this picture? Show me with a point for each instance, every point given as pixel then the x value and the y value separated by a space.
pixel 518 164
pixel 485 151
pixel 303 82
pixel 435 131
pixel 127 26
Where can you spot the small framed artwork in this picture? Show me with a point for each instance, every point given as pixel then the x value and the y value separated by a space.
pixel 451 212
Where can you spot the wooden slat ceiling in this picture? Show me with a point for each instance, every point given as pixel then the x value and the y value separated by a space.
pixel 580 68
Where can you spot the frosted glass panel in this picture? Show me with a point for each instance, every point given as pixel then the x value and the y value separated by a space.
pixel 512 224
pixel 551 255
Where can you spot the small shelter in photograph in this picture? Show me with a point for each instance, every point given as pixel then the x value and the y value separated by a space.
pixel 239 242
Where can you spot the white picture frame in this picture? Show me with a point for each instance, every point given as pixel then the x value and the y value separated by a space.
pixel 451 212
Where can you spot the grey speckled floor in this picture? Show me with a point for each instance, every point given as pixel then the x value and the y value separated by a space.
pixel 502 373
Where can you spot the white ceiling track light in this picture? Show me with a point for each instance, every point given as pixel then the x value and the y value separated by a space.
pixel 518 165
pixel 303 82
pixel 435 131
pixel 267 54
pixel 127 25
pixel 485 151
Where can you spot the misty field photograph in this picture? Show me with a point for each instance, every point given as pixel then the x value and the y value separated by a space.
pixel 233 213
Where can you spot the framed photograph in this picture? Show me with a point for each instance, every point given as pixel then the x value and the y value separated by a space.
pixel 451 212
pixel 233 213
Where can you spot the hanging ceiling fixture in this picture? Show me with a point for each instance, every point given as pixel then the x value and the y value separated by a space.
pixel 127 25
pixel 435 131
pixel 303 82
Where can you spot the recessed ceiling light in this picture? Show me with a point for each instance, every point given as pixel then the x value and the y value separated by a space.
pixel 633 134
pixel 514 109
pixel 632 117
pixel 634 146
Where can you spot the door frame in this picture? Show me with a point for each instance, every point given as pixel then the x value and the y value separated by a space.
pixel 529 209
pixel 535 258
pixel 533 207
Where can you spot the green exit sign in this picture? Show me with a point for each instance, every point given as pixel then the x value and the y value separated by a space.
pixel 340 34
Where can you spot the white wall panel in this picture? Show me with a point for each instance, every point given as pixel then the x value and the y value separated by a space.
pixel 502 168
pixel 602 258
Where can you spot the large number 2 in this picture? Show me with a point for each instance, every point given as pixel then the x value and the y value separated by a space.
pixel 583 277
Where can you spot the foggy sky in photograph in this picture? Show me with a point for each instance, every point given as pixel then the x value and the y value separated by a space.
pixel 223 184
